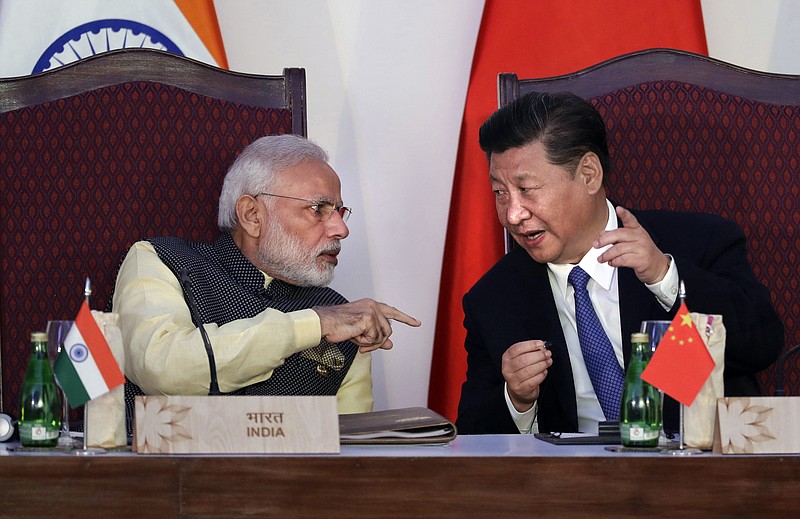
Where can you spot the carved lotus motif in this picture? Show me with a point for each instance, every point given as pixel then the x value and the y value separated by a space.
pixel 742 425
pixel 165 424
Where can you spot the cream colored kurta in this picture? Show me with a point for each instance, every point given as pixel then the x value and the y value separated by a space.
pixel 164 351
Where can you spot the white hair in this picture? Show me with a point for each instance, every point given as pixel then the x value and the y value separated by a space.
pixel 254 170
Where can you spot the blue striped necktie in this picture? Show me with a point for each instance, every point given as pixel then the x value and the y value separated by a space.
pixel 604 371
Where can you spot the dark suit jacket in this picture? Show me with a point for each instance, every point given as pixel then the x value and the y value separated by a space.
pixel 513 302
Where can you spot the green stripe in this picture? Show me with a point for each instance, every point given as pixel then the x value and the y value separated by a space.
pixel 70 381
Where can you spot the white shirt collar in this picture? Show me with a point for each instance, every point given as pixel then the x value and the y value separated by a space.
pixel 601 273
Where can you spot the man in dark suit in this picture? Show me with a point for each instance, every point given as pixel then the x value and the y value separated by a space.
pixel 548 159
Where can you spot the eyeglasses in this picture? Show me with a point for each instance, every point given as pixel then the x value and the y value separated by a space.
pixel 322 208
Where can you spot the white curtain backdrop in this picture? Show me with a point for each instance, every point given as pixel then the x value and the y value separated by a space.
pixel 761 35
pixel 386 87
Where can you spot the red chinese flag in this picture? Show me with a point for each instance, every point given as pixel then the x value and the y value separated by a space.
pixel 534 39
pixel 681 363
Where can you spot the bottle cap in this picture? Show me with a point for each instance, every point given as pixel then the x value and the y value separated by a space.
pixel 38 337
pixel 640 337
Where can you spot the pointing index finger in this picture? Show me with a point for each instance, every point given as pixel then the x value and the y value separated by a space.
pixel 628 220
pixel 393 313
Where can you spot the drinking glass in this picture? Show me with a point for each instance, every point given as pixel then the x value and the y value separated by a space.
pixel 56 333
pixel 656 330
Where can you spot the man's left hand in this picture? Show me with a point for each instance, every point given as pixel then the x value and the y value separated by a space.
pixel 631 246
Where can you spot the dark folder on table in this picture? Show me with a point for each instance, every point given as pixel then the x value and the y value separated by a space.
pixel 608 434
pixel 405 426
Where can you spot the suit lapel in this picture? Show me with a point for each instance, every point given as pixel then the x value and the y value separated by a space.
pixel 636 301
pixel 557 396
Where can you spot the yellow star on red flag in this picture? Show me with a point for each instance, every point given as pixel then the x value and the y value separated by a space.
pixel 681 363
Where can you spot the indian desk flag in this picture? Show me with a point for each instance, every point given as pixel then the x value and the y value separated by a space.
pixel 86 368
pixel 40 35
pixel 681 363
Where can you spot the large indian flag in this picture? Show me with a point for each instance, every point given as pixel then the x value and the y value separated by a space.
pixel 46 34
pixel 86 368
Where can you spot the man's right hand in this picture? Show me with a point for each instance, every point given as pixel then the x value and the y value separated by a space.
pixel 525 367
pixel 364 322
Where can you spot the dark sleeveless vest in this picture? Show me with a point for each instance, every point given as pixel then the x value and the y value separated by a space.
pixel 227 287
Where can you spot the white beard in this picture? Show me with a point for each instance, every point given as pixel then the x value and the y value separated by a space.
pixel 281 254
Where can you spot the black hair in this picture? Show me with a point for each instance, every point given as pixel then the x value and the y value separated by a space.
pixel 567 126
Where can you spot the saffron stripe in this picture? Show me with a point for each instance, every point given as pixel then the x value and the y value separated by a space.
pixel 96 342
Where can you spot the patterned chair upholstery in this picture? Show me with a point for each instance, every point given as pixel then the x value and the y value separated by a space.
pixel 687 132
pixel 106 151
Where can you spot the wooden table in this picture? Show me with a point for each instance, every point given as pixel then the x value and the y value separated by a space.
pixel 475 476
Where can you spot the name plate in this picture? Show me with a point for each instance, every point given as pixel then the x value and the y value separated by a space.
pixel 236 425
pixel 757 425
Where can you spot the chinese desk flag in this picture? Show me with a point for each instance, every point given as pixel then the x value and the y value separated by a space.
pixel 681 363
pixel 85 367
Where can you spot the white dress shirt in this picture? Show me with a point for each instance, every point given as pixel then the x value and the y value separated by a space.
pixel 603 290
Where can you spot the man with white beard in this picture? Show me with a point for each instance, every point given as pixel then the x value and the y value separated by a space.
pixel 260 291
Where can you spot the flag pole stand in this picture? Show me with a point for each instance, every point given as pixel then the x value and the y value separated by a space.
pixel 682 449
pixel 87 451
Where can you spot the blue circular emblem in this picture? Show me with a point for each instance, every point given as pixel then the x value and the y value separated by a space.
pixel 78 353
pixel 101 36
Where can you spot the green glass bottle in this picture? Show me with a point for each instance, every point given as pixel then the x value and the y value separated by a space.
pixel 40 412
pixel 640 412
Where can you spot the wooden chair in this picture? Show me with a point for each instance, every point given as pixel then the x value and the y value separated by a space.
pixel 103 152
pixel 688 132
